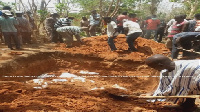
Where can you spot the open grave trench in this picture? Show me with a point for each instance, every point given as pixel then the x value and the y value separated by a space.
pixel 81 79
pixel 30 67
pixel 89 81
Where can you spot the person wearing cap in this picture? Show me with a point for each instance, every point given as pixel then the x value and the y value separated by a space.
pixel 24 29
pixel 94 22
pixel 133 31
pixel 51 31
pixel 9 28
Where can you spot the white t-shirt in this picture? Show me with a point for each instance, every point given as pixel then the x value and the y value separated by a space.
pixel 132 27
pixel 111 29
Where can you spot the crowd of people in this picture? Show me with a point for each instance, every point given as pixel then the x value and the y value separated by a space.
pixel 180 34
pixel 177 31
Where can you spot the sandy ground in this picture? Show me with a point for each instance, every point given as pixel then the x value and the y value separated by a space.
pixel 87 77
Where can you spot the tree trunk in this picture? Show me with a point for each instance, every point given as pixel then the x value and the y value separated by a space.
pixel 110 8
pixel 42 4
pixel 116 8
pixel 193 8
pixel 153 7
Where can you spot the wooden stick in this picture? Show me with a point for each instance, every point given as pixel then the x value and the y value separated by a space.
pixel 160 97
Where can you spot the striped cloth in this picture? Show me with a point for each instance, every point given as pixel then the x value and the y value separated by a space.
pixel 184 80
pixel 63 22
pixel 176 28
pixel 73 30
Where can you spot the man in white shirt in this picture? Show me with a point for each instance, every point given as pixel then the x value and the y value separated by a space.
pixel 133 31
pixel 111 32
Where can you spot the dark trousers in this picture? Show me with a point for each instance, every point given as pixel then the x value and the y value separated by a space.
pixel 111 43
pixel 149 32
pixel 120 29
pixel 130 39
pixel 8 36
pixel 185 42
pixel 56 37
pixel 160 34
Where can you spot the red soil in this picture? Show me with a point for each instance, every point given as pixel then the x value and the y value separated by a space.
pixel 94 55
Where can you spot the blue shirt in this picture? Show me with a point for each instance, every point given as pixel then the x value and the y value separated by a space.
pixel 8 24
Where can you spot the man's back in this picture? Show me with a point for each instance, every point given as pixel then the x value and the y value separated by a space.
pixel 152 24
pixel 132 27
pixel 8 24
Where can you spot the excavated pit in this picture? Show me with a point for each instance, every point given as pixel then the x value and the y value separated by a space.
pixel 97 77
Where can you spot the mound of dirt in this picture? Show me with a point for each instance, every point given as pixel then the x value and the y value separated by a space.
pixel 98 47
pixel 99 76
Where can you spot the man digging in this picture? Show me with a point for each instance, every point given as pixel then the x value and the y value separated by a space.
pixel 177 78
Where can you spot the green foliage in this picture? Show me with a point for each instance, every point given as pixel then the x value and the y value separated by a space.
pixel 11 4
pixel 42 15
pixel 60 7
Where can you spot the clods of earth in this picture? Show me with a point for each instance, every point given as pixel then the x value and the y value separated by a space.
pixel 87 77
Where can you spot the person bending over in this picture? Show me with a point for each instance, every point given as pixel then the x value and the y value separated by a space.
pixel 177 78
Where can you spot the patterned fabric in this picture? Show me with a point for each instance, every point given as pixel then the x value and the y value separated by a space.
pixel 73 30
pixel 184 80
pixel 176 28
pixel 63 22
pixel 24 25
pixel 93 21
pixel 197 23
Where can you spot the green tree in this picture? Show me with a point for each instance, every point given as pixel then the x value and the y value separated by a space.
pixel 64 6
pixel 192 6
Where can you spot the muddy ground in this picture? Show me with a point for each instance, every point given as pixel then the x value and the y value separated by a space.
pixel 87 77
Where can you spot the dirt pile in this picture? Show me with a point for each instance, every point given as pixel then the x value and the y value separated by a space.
pixel 98 47
pixel 98 75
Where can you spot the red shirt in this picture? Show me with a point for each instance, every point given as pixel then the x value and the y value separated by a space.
pixel 134 19
pixel 120 19
pixel 152 24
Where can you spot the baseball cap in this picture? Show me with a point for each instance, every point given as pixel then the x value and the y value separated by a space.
pixel 6 12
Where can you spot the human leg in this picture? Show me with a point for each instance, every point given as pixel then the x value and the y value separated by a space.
pixel 7 37
pixel 86 29
pixel 169 43
pixel 155 35
pixel 111 43
pixel 175 51
pixel 78 38
pixel 92 30
pixel 16 39
pixel 148 34
pixel 120 29
pixel 130 39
